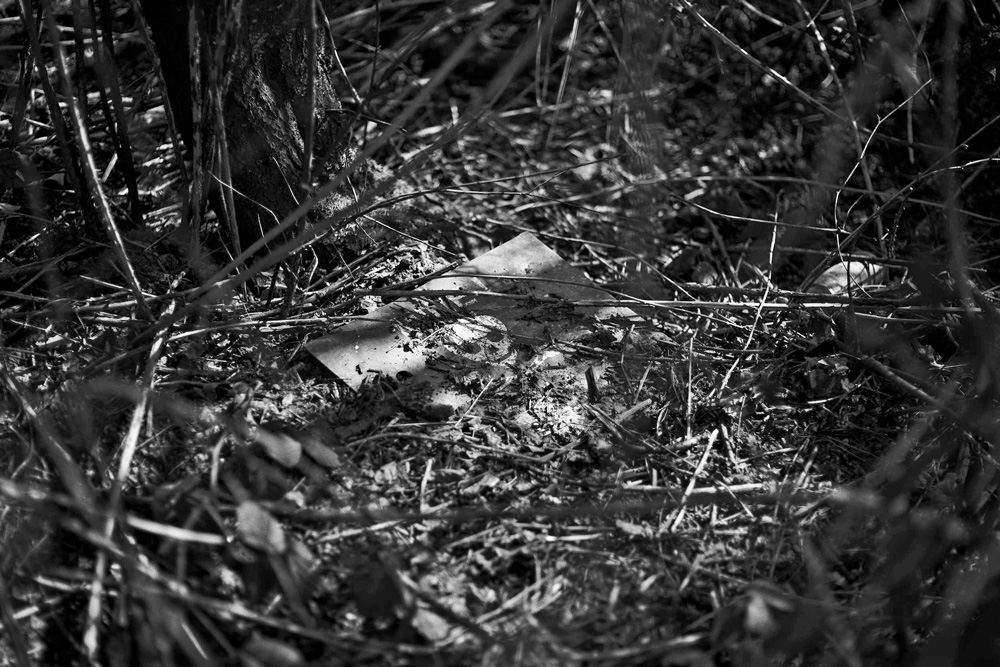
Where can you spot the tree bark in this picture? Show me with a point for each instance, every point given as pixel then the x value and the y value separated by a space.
pixel 266 104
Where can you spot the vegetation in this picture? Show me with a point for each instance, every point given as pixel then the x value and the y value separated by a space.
pixel 785 456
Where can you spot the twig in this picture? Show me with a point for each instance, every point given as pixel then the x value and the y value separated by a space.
pixel 702 462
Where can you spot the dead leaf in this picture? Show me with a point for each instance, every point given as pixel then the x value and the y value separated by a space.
pixel 267 652
pixel 485 481
pixel 430 624
pixel 754 614
pixel 691 657
pixel 322 453
pixel 388 473
pixel 257 528
pixel 377 343
pixel 280 447
pixel 296 498
pixel 845 276
pixel 550 359
pixel 301 561
pixel 631 529
pixel 765 604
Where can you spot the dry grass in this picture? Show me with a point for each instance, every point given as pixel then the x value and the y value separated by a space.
pixel 781 466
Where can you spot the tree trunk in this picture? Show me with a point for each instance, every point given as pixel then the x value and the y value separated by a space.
pixel 266 105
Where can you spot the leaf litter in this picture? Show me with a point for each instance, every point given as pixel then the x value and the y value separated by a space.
pixel 680 485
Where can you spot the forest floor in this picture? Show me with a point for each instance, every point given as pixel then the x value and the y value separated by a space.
pixel 746 421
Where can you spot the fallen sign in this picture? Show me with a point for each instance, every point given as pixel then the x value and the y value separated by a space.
pixel 513 304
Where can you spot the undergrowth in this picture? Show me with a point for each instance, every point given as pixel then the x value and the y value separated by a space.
pixel 783 456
